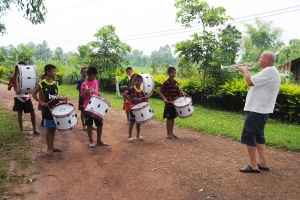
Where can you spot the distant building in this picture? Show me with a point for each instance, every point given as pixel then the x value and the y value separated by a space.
pixel 293 66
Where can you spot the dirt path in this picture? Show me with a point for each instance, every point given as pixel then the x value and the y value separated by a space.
pixel 197 166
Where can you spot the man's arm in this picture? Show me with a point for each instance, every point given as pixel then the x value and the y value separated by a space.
pixel 247 76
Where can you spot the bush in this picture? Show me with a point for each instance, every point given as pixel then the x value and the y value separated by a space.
pixel 71 77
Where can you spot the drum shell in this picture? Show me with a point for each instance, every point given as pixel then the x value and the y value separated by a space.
pixel 97 107
pixel 147 85
pixel 142 112
pixel 64 116
pixel 26 79
pixel 183 106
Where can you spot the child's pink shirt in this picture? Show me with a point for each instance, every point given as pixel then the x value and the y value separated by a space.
pixel 87 85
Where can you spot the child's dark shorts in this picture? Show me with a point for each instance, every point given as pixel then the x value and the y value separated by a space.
pixel 80 103
pixel 26 106
pixel 170 113
pixel 253 131
pixel 89 120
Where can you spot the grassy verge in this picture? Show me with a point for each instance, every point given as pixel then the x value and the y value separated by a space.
pixel 13 149
pixel 215 122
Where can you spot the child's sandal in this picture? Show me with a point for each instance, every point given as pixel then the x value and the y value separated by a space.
pixel 140 138
pixel 130 139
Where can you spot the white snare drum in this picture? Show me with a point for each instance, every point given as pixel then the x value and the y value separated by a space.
pixel 142 112
pixel 147 85
pixel 64 116
pixel 26 79
pixel 183 106
pixel 97 107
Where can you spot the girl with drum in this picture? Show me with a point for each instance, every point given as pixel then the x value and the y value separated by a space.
pixel 89 88
pixel 168 92
pixel 50 91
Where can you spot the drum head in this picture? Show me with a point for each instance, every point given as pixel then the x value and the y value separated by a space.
pixel 140 105
pixel 62 109
pixel 182 101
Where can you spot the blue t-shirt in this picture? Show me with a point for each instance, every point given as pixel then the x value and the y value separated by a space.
pixel 79 83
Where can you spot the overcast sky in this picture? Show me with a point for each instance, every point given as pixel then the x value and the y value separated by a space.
pixel 143 24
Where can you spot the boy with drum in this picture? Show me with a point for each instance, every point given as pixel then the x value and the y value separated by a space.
pixel 50 91
pixel 168 92
pixel 89 88
pixel 135 95
pixel 125 84
pixel 22 102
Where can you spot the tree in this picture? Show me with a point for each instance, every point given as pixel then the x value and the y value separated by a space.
pixel 260 37
pixel 229 44
pixel 107 52
pixel 163 55
pixel 34 10
pixel 23 53
pixel 203 47
pixel 289 52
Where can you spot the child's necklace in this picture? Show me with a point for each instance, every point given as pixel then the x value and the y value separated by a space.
pixel 138 90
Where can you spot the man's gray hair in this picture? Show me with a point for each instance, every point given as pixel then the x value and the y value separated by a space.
pixel 271 56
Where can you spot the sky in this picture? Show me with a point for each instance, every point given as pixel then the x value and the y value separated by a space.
pixel 145 25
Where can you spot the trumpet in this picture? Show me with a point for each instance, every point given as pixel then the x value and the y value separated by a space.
pixel 236 66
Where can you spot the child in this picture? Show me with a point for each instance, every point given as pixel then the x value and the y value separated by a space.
pixel 50 92
pixel 89 88
pixel 135 95
pixel 80 100
pixel 22 102
pixel 169 91
pixel 125 84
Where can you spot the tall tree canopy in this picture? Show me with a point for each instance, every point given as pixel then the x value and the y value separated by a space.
pixel 260 37
pixel 33 10
pixel 108 53
pixel 204 47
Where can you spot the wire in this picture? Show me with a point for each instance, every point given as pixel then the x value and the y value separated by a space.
pixel 154 34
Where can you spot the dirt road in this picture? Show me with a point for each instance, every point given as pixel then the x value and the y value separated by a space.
pixel 197 166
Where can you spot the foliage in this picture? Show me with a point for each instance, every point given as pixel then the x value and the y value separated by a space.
pixel 59 77
pixel 137 58
pixel 206 48
pixel 3 71
pixel 23 53
pixel 289 52
pixel 71 76
pixel 260 37
pixel 154 67
pixel 163 55
pixel 185 68
pixel 34 10
pixel 287 103
pixel 107 52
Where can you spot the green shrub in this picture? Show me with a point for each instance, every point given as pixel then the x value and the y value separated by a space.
pixel 287 103
pixel 71 77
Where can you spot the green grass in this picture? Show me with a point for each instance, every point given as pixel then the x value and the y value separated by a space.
pixel 13 147
pixel 214 122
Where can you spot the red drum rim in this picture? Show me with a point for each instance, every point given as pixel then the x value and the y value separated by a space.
pixel 142 122
pixel 92 113
pixel 140 108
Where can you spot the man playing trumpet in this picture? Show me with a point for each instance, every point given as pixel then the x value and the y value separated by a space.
pixel 260 102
